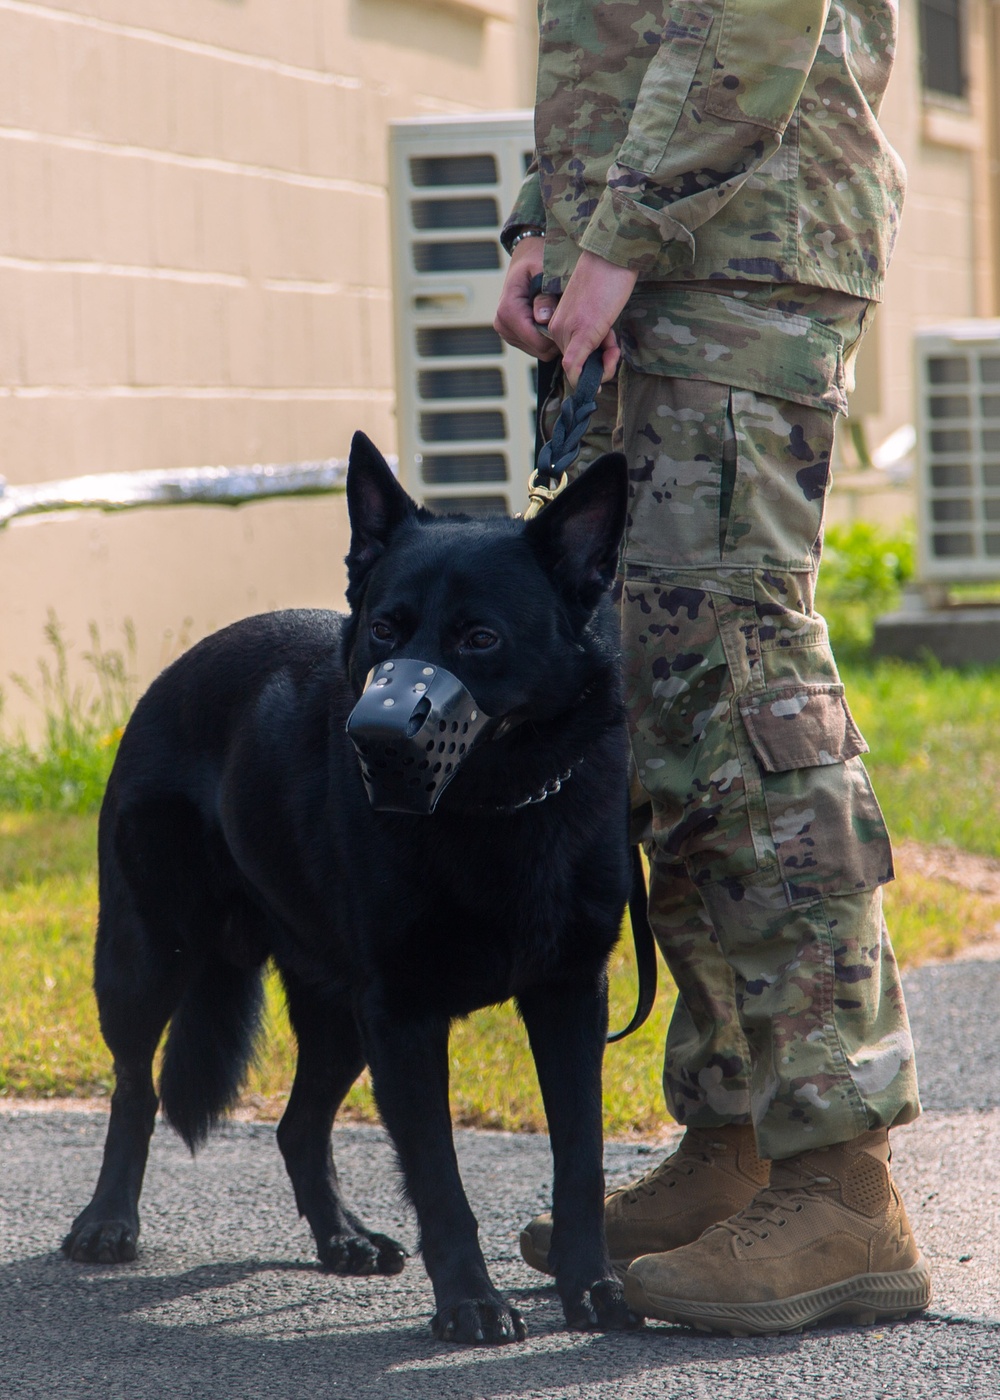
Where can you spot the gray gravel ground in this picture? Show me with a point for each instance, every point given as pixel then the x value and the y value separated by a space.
pixel 225 1301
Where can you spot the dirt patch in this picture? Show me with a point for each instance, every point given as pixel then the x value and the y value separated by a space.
pixel 981 874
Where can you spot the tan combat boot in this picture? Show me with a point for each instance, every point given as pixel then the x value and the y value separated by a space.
pixel 712 1173
pixel 828 1238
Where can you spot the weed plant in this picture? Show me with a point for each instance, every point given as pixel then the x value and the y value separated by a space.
pixel 863 572
pixel 68 769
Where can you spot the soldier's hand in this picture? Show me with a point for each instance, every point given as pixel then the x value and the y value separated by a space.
pixel 594 298
pixel 518 311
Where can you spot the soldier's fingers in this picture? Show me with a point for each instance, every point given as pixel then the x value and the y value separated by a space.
pixel 515 322
pixel 543 308
pixel 580 345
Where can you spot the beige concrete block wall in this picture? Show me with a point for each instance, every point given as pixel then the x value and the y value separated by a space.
pixel 194 269
pixel 945 265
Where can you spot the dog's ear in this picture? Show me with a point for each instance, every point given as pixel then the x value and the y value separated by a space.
pixel 376 504
pixel 579 534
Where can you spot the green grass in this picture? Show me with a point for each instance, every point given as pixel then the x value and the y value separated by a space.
pixel 50 1043
pixel 935 750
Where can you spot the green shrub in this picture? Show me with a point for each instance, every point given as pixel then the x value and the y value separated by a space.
pixel 863 572
pixel 68 769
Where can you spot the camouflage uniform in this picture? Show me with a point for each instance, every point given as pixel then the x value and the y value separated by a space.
pixel 729 151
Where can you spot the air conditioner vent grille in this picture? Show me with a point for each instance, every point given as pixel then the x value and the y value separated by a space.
pixel 958 369
pixel 464 212
pixel 460 468
pixel 441 342
pixel 471 426
pixel 465 401
pixel 460 384
pixel 436 171
pixel 477 255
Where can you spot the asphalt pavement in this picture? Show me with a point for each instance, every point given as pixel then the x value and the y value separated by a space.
pixel 226 1303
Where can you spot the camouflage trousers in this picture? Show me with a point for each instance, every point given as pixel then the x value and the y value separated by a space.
pixel 767 847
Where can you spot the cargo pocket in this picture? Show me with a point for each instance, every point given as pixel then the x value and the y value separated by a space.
pixel 828 831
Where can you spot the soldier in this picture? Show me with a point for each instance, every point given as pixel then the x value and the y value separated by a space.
pixel 713 201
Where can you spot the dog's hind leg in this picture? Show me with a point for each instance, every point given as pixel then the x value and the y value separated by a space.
pixel 567 1025
pixel 330 1059
pixel 136 994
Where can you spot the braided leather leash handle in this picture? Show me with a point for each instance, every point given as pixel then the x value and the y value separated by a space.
pixel 561 451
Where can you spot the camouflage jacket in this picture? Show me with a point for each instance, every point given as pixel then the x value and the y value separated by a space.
pixel 718 140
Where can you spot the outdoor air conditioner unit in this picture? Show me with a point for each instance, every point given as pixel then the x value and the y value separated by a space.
pixel 958 451
pixel 465 400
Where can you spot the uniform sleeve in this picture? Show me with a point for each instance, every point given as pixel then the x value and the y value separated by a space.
pixel 712 109
pixel 529 208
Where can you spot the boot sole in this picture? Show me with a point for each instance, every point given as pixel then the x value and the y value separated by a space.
pixel 535 1259
pixel 862 1300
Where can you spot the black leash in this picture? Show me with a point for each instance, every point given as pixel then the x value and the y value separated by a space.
pixel 551 474
pixel 645 948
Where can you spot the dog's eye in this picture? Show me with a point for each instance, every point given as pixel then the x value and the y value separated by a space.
pixel 482 639
pixel 381 631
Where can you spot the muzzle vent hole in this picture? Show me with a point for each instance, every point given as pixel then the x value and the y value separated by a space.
pixel 442 725
pixel 420 712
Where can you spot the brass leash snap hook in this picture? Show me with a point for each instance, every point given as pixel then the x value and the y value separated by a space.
pixel 540 496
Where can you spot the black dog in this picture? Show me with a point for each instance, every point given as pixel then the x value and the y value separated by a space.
pixel 236 827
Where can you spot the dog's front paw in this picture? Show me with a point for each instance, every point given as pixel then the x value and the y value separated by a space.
pixel 362 1254
pixel 479 1322
pixel 101 1242
pixel 601 1308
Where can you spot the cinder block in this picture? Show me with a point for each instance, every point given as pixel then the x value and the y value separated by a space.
pixel 221 201
pixel 38 46
pixel 330 118
pixel 336 350
pixel 174 215
pixel 28 169
pixel 75 215
pixel 154 333
pixel 144 109
pixel 126 201
pixel 197 120
pixel 50 347
pixel 179 334
pixel 104 329
pixel 378 350
pixel 289 348
pixel 12 313
pixel 248 337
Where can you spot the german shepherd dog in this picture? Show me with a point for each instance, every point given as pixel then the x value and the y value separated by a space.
pixel 237 828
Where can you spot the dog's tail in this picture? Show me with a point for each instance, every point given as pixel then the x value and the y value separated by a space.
pixel 210 1046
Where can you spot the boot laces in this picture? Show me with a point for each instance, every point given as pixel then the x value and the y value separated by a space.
pixel 678 1164
pixel 770 1209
